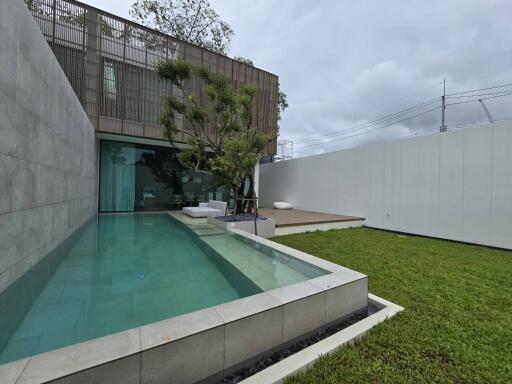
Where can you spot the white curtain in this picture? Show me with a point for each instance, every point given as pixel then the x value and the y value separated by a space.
pixel 117 176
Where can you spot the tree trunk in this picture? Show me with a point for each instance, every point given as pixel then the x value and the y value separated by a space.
pixel 235 190
pixel 239 193
pixel 251 194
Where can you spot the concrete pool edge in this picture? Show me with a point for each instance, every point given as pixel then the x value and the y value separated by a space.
pixel 231 331
pixel 303 360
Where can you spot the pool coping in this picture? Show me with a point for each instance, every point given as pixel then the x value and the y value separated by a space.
pixel 98 352
pixel 304 359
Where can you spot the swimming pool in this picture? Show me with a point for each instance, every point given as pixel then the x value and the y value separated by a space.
pixel 126 270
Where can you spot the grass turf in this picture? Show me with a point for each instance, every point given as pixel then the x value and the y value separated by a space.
pixel 457 323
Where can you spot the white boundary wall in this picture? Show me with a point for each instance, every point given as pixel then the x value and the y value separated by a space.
pixel 455 185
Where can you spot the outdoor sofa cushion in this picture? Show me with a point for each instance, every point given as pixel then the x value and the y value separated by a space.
pixel 214 208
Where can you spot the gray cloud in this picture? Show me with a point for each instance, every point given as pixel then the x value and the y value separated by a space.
pixel 344 63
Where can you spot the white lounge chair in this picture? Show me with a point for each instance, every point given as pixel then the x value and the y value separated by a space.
pixel 212 208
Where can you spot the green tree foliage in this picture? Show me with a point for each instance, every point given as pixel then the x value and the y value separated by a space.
pixel 244 60
pixel 282 99
pixel 282 103
pixel 33 6
pixel 105 27
pixel 194 21
pixel 220 137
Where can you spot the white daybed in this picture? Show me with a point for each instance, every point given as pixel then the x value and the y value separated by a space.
pixel 212 208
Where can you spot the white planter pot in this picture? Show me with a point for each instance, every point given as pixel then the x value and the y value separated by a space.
pixel 266 228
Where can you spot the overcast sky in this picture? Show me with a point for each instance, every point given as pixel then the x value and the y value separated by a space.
pixel 344 63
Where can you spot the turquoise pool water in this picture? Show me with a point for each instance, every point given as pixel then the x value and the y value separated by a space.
pixel 127 270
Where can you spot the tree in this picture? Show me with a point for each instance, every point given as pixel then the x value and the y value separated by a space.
pixel 241 154
pixel 282 103
pixel 244 60
pixel 79 19
pixel 221 138
pixel 194 21
pixel 33 6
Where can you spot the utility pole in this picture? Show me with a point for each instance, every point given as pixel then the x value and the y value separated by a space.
pixel 443 107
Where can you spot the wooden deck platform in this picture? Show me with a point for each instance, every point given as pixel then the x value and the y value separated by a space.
pixel 295 220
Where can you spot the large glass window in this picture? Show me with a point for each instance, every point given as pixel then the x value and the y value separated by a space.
pixel 136 177
pixel 109 79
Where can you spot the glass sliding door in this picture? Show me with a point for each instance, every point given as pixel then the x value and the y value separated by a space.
pixel 117 176
pixel 140 177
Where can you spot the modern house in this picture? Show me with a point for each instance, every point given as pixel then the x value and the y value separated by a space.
pixel 162 297
pixel 109 63
pixel 131 298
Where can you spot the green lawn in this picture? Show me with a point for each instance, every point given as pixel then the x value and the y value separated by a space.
pixel 457 322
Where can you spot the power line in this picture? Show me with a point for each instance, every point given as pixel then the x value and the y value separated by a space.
pixel 471 123
pixel 480 94
pixel 481 89
pixel 453 126
pixel 370 123
pixel 480 98
pixel 399 121
pixel 376 121
pixel 372 130
pixel 341 135
pixel 416 133
pixel 428 131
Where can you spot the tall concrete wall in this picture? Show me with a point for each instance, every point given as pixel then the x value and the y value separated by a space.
pixel 48 166
pixel 455 185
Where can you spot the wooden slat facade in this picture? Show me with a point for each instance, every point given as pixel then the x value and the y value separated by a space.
pixel 109 61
